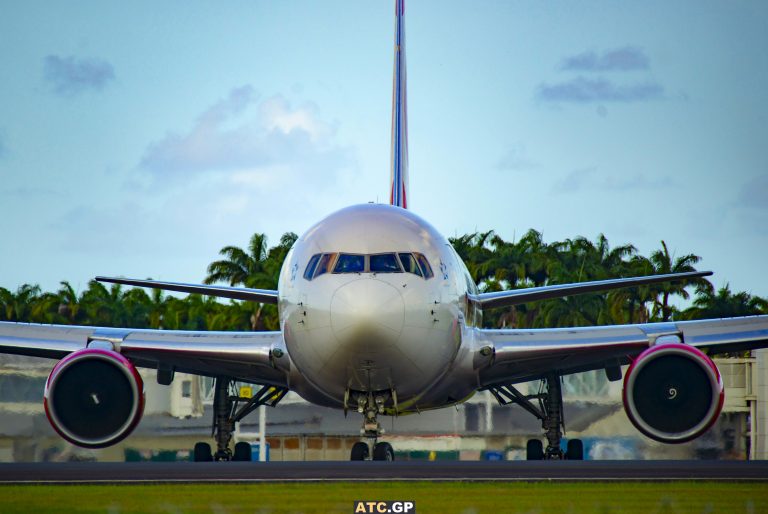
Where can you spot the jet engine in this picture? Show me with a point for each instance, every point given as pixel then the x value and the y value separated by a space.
pixel 94 397
pixel 673 393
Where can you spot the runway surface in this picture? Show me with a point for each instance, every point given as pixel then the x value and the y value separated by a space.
pixel 158 472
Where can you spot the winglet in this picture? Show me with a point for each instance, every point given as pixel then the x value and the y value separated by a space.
pixel 399 152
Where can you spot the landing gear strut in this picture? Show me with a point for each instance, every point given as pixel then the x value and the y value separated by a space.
pixel 553 418
pixel 226 413
pixel 550 411
pixel 370 405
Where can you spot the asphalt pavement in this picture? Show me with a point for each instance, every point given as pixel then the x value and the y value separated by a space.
pixel 165 472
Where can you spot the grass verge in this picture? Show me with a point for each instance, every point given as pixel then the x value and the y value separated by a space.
pixel 440 497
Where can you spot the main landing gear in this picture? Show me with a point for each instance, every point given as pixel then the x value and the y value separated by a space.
pixel 370 405
pixel 550 411
pixel 226 413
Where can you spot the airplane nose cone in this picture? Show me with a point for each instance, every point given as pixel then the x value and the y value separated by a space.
pixel 367 314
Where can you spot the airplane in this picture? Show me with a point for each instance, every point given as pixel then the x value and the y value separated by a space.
pixel 379 315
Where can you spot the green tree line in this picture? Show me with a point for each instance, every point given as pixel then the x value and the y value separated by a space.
pixel 495 264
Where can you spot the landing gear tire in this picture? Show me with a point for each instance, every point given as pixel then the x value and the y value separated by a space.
pixel 359 451
pixel 229 408
pixel 383 451
pixel 534 450
pixel 202 453
pixel 575 450
pixel 242 452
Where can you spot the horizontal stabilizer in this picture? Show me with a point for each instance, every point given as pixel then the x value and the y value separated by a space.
pixel 531 294
pixel 236 293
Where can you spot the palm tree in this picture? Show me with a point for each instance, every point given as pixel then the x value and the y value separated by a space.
pixel 104 307
pixel 570 311
pixel 724 304
pixel 580 260
pixel 6 304
pixel 157 306
pixel 628 305
pixel 136 308
pixel 511 264
pixel 45 309
pixel 201 311
pixel 175 313
pixel 19 306
pixel 277 255
pixel 536 257
pixel 598 260
pixel 663 263
pixel 477 256
pixel 240 267
pixel 69 303
pixel 255 268
pixel 243 268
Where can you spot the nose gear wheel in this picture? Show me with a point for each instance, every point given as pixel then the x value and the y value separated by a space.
pixel 370 405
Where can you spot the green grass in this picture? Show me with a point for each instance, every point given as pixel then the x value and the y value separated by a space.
pixel 442 497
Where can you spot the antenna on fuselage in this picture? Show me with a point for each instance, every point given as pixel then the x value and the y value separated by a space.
pixel 399 151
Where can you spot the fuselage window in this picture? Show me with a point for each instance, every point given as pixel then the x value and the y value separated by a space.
pixel 384 263
pixel 409 263
pixel 424 264
pixel 350 263
pixel 325 264
pixel 311 266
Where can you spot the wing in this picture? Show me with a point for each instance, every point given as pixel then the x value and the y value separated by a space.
pixel 237 293
pixel 258 357
pixel 521 355
pixel 530 294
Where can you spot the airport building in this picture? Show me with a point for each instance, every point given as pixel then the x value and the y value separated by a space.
pixel 179 415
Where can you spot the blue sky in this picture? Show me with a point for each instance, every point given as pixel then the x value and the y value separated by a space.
pixel 139 138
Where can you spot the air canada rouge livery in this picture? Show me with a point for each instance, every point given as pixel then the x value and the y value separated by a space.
pixel 379 315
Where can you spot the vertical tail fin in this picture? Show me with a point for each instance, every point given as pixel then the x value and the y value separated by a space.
pixel 399 151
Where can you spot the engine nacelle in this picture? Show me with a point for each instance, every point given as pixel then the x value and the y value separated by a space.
pixel 94 398
pixel 673 393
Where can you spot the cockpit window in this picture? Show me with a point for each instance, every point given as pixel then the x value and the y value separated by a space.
pixel 311 266
pixel 325 264
pixel 384 263
pixel 409 263
pixel 322 263
pixel 350 263
pixel 424 264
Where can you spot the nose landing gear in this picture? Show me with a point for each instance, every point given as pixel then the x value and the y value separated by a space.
pixel 370 405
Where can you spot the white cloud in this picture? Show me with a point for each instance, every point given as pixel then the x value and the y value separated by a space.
pixel 245 164
pixel 628 58
pixel 574 180
pixel 516 159
pixel 71 75
pixel 278 115
pixel 250 142
pixel 585 90
pixel 590 178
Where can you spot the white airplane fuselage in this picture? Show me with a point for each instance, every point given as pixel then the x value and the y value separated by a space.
pixel 367 331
